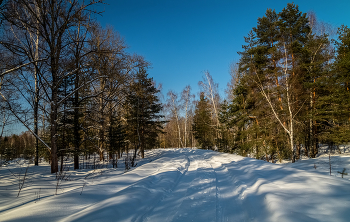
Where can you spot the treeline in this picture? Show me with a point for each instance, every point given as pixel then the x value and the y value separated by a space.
pixel 17 146
pixel 78 92
pixel 290 89
pixel 71 83
pixel 182 117
pixel 289 92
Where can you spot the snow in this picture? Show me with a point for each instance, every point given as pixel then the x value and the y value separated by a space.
pixel 182 185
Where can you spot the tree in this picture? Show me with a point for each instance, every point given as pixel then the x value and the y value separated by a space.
pixel 116 137
pixel 316 61
pixel 175 108
pixel 275 89
pixel 25 44
pixel 333 104
pixel 224 118
pixel 186 97
pixel 210 90
pixel 273 59
pixel 142 113
pixel 53 21
pixel 202 123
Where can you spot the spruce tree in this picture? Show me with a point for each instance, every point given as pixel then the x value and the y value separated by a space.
pixel 116 138
pixel 202 123
pixel 224 119
pixel 64 126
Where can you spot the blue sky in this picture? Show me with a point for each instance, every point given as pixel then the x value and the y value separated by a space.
pixel 184 38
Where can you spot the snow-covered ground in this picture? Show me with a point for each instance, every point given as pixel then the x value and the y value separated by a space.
pixel 182 185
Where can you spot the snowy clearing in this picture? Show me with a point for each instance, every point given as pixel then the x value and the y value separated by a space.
pixel 181 185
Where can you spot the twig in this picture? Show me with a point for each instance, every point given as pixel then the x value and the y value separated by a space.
pixel 21 184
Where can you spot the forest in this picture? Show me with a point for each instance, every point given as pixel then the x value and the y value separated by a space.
pixel 78 92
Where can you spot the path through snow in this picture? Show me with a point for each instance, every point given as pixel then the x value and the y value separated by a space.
pixel 188 185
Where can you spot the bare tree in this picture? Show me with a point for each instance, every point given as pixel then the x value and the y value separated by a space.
pixel 174 106
pixel 234 73
pixel 116 70
pixel 53 20
pixel 25 43
pixel 210 90
pixel 186 97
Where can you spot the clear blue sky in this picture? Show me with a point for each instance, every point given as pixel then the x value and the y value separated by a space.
pixel 183 38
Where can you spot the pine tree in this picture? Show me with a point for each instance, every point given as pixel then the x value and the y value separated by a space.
pixel 281 59
pixel 334 108
pixel 143 118
pixel 316 60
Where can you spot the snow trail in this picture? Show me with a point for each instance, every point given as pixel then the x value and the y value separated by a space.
pixel 194 197
pixel 186 185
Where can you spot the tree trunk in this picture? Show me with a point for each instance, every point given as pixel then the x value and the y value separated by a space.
pixel 185 142
pixel 53 119
pixel 102 158
pixel 298 151
pixel 36 100
pixel 61 168
pixel 315 148
pixel 36 106
pixel 76 122
pixel 311 136
pixel 292 147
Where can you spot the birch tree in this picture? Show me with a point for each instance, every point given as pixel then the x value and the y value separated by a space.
pixel 186 97
pixel 274 61
pixel 174 106
pixel 210 90
pixel 25 43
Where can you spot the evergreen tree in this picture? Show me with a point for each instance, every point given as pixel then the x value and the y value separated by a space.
pixel 116 137
pixel 65 117
pixel 224 118
pixel 316 60
pixel 202 123
pixel 143 118
pixel 333 108
pixel 277 73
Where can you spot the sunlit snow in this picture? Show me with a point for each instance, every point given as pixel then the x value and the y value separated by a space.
pixel 180 185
